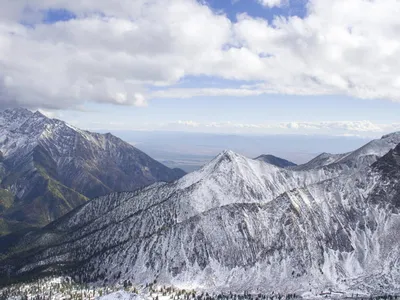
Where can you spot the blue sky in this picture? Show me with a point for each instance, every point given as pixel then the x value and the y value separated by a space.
pixel 271 109
pixel 51 16
pixel 231 8
pixel 234 7
pixel 201 66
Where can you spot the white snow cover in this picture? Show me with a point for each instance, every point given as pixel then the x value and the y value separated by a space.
pixel 121 295
pixel 244 225
pixel 22 129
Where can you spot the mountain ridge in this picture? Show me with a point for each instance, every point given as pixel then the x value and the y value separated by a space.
pixel 286 230
pixel 363 156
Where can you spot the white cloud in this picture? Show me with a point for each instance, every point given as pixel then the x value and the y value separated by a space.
pixel 341 47
pixel 271 3
pixel 188 123
pixel 140 100
pixel 104 58
pixel 360 128
pixel 48 113
pixel 114 53
pixel 193 92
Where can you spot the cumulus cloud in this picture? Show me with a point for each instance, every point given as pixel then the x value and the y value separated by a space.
pixel 108 53
pixel 344 47
pixel 112 53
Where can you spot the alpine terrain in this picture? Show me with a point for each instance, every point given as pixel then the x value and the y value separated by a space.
pixel 237 224
pixel 48 167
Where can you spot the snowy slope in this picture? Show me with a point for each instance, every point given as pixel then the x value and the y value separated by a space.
pixel 322 160
pixel 237 224
pixel 122 295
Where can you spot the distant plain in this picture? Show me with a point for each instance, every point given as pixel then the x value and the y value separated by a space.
pixel 189 151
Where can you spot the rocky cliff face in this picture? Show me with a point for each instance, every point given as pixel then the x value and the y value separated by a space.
pixel 52 167
pixel 237 224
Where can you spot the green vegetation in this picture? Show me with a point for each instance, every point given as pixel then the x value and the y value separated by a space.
pixel 8 226
pixel 6 199
pixel 57 189
pixel 4 227
pixel 47 200
pixel 55 200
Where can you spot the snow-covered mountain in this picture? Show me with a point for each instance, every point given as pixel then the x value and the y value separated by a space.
pixel 237 224
pixel 276 161
pixel 362 157
pixel 52 167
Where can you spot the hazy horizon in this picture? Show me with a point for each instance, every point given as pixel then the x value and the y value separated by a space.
pixel 189 151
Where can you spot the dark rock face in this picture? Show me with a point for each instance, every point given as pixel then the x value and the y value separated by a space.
pixel 52 167
pixel 2 168
pixel 389 167
pixel 389 164
pixel 276 161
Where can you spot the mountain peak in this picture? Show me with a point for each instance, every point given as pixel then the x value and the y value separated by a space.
pixel 19 110
pixel 12 118
pixel 15 113
pixel 228 153
pixel 18 113
pixel 226 162
pixel 324 154
pixel 227 156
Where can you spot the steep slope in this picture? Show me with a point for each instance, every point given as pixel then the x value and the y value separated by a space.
pixel 52 167
pixel 237 224
pixel 276 161
pixel 357 219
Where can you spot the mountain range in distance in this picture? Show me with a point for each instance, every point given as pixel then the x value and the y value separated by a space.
pixel 237 224
pixel 191 150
